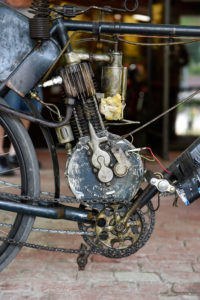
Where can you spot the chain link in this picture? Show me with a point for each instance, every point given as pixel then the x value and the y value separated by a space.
pixel 61 199
pixel 68 199
pixel 54 231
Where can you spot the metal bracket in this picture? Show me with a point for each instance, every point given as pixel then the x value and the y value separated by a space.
pixel 100 158
pixel 162 185
pixel 82 258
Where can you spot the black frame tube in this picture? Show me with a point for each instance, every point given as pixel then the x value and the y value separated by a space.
pixel 61 212
pixel 131 28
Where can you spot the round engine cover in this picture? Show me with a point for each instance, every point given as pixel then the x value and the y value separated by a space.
pixel 83 180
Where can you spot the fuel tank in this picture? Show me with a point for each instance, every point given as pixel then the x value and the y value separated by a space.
pixel 15 42
pixel 23 61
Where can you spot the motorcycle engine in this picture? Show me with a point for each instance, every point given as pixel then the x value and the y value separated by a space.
pixel 100 165
pixel 107 172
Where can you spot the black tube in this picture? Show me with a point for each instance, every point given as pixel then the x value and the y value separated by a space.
pixel 131 28
pixel 62 33
pixel 39 121
pixel 148 193
pixel 62 212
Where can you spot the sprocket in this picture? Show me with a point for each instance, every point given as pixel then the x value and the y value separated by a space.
pixel 112 242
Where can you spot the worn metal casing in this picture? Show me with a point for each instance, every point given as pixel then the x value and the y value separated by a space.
pixel 33 68
pixel 114 77
pixel 15 42
pixel 22 64
pixel 84 183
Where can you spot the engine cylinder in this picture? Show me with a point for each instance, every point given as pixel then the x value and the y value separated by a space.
pixel 78 84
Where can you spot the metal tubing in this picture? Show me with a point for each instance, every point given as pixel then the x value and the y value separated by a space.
pixel 39 121
pixel 148 193
pixel 62 212
pixel 63 34
pixel 131 28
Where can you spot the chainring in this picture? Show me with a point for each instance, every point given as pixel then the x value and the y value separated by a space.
pixel 111 243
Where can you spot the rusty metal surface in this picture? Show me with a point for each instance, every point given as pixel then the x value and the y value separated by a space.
pixel 15 42
pixel 33 68
pixel 84 183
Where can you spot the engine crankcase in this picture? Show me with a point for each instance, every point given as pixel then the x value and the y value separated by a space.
pixel 82 176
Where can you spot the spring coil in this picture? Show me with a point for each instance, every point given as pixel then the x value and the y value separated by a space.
pixel 39 25
pixel 78 122
pixel 91 111
pixel 78 84
pixel 83 113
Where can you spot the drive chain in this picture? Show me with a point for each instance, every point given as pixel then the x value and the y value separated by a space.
pixel 67 199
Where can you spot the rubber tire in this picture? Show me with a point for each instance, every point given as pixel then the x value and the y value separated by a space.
pixel 30 179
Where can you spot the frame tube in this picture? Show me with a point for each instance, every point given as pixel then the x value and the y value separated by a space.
pixel 61 212
pixel 131 28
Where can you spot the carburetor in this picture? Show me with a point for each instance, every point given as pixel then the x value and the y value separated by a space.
pixel 114 85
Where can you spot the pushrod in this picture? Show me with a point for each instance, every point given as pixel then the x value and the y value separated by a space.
pixel 131 28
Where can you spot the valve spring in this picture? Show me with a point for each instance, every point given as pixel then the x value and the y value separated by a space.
pixel 78 122
pixel 39 24
pixel 84 113
pixel 93 113
pixel 78 84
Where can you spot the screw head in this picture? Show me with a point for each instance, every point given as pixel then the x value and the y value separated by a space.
pixel 153 181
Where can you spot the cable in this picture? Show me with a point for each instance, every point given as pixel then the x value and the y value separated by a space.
pixel 157 44
pixel 158 206
pixel 161 115
pixel 161 165
pixel 147 158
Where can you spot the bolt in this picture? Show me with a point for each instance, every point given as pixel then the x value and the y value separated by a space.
pixel 153 181
pixel 119 227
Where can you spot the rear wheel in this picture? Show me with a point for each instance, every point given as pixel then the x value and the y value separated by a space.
pixel 25 175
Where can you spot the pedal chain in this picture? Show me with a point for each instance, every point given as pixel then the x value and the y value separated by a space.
pixel 62 199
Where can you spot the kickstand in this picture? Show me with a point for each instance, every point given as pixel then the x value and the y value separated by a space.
pixel 82 258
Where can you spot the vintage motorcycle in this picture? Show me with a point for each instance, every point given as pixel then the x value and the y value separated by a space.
pixel 104 171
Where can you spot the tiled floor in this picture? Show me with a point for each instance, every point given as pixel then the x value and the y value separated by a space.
pixel 167 267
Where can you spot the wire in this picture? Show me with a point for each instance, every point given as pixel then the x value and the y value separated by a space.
pixel 158 206
pixel 147 158
pixel 161 165
pixel 158 44
pixel 159 36
pixel 107 41
pixel 161 115
pixel 133 43
pixel 93 40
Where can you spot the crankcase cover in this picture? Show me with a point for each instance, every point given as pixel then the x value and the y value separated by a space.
pixel 82 177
